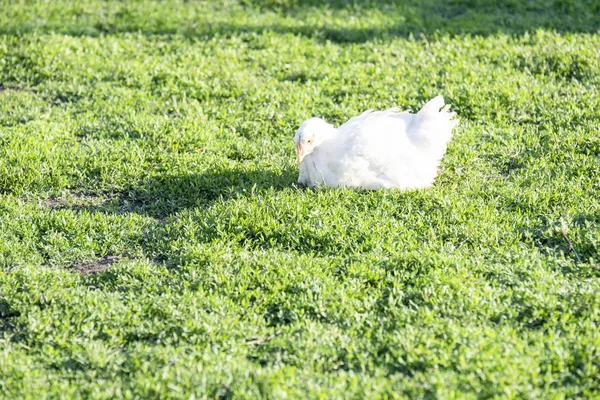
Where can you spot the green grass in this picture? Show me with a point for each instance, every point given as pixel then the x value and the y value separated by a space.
pixel 160 135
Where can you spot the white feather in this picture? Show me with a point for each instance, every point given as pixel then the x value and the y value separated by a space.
pixel 379 149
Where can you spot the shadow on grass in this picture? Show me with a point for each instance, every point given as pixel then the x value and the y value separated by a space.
pixel 458 17
pixel 7 312
pixel 164 195
pixel 575 240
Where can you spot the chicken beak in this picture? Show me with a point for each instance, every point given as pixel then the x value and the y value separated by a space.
pixel 299 153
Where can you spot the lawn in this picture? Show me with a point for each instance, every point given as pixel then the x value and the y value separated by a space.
pixel 154 242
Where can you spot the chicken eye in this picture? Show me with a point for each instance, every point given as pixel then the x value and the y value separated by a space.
pixel 309 141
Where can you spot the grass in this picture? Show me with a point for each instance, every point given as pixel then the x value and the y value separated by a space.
pixel 153 242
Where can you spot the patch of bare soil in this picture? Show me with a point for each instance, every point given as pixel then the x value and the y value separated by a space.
pixel 51 203
pixel 98 266
pixel 14 89
pixel 74 202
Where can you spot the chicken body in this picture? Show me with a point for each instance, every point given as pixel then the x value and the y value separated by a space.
pixel 383 149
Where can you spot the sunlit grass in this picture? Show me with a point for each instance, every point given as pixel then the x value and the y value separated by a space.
pixel 151 143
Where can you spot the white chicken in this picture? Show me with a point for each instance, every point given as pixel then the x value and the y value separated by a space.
pixel 381 149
